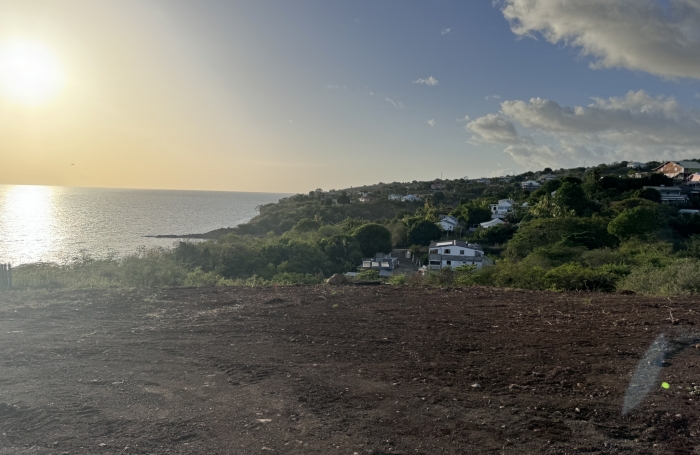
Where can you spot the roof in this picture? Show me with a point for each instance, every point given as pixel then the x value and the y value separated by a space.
pixel 459 243
pixel 689 164
pixel 664 188
pixel 492 223
pixel 449 219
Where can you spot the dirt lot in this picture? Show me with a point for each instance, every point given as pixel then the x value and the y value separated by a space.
pixel 340 370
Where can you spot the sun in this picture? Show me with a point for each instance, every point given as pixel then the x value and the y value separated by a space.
pixel 30 73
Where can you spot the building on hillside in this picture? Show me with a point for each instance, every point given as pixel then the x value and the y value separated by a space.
pixel 483 181
pixel 679 170
pixel 492 223
pixel 502 209
pixel 411 198
pixel 530 185
pixel 383 263
pixel 437 185
pixel 670 194
pixel 454 253
pixel 635 165
pixel 395 197
pixel 366 199
pixel 689 212
pixel 448 223
pixel 547 177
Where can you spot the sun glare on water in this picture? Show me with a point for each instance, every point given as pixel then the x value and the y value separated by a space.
pixel 30 73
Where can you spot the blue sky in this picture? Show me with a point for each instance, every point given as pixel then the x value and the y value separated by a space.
pixel 294 95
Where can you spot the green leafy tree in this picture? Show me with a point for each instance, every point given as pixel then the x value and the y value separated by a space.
pixel 344 251
pixel 343 199
pixel 423 232
pixel 650 194
pixel 638 221
pixel 589 232
pixel 307 225
pixel 373 239
pixel 571 196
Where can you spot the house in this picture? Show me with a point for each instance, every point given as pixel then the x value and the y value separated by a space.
pixel 365 198
pixel 484 181
pixel 503 208
pixel 448 223
pixel 492 223
pixel 670 194
pixel 437 185
pixel 635 165
pixel 678 169
pixel 694 178
pixel 690 212
pixel 395 197
pixel 547 177
pixel 530 185
pixel 383 263
pixel 454 253
pixel 639 175
pixel 410 198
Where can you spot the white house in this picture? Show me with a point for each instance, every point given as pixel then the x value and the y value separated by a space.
pixel 492 223
pixel 365 199
pixel 395 197
pixel 503 208
pixel 530 185
pixel 483 181
pixel 410 198
pixel 448 223
pixel 547 177
pixel 454 253
pixel 437 185
pixel 670 194
pixel 691 212
pixel 635 165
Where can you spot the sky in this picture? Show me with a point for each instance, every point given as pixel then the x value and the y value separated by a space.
pixel 290 96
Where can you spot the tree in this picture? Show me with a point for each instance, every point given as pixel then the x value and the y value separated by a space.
pixel 638 221
pixel 343 250
pixel 343 198
pixel 438 197
pixel 307 225
pixel 373 239
pixel 650 194
pixel 423 232
pixel 571 196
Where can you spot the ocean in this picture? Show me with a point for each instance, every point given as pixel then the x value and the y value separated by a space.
pixel 59 224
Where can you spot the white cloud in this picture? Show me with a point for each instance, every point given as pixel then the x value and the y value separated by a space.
pixel 431 122
pixel 494 97
pixel 494 128
pixel 445 30
pixel 429 81
pixel 397 105
pixel 463 119
pixel 636 126
pixel 657 37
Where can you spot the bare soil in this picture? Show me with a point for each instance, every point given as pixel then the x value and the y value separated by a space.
pixel 340 370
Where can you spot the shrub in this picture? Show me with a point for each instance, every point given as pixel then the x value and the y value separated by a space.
pixel 397 279
pixel 574 277
pixel 679 277
pixel 367 275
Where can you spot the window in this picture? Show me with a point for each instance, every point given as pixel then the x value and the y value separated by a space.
pixel 461 251
pixel 433 251
pixel 448 262
pixel 447 251
pixel 434 262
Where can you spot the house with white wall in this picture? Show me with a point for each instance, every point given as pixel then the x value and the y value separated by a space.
pixel 502 209
pixel 455 253
pixel 448 223
pixel 410 198
pixel 530 185
pixel 395 197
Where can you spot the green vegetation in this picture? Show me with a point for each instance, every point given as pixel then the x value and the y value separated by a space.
pixel 595 229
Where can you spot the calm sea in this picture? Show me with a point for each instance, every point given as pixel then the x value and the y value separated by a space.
pixel 55 224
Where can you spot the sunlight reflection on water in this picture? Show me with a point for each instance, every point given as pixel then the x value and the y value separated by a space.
pixel 54 224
